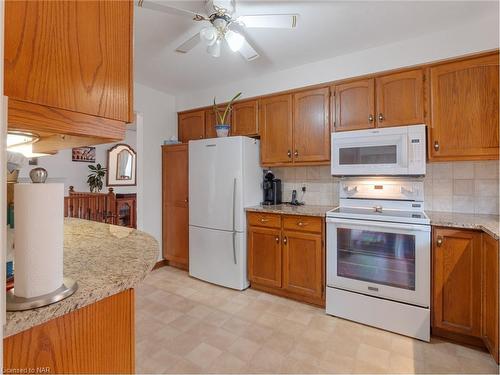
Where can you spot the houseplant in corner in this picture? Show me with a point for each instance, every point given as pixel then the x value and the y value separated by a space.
pixel 222 129
pixel 94 179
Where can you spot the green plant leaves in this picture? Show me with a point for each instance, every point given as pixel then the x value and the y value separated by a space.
pixel 222 118
pixel 94 179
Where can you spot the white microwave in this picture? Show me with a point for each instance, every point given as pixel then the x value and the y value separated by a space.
pixel 388 151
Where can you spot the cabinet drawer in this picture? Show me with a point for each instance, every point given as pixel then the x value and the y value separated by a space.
pixel 303 223
pixel 264 220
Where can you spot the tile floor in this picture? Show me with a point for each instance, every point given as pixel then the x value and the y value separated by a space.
pixel 188 326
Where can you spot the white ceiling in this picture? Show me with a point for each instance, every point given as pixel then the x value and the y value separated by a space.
pixel 324 29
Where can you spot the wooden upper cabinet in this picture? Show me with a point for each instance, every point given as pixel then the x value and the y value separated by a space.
pixel 191 126
pixel 490 329
pixel 245 118
pixel 71 55
pixel 400 98
pixel 175 204
pixel 264 256
pixel 303 263
pixel 311 125
pixel 354 105
pixel 457 281
pixel 276 129
pixel 464 109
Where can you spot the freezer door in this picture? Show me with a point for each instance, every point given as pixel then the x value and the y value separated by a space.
pixel 212 257
pixel 215 183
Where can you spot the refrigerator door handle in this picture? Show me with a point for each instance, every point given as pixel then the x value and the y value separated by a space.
pixel 234 221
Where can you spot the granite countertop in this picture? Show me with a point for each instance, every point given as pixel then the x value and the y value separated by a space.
pixel 487 223
pixel 104 259
pixel 288 209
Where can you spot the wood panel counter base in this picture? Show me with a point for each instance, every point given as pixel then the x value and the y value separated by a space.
pixel 98 338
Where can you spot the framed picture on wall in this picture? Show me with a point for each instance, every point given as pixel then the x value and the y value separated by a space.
pixel 85 154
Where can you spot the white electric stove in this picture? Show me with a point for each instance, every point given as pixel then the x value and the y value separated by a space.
pixel 378 255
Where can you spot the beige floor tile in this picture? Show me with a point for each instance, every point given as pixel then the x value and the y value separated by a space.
pixel 227 363
pixel 203 355
pixel 181 327
pixel 243 348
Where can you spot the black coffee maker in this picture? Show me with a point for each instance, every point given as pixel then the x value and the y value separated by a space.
pixel 272 189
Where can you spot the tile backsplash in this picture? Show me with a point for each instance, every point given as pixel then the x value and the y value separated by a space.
pixel 469 187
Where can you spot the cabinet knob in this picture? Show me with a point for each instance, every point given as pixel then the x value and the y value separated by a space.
pixel 186 200
pixel 289 153
pixel 264 220
pixel 439 241
pixel 380 117
pixel 436 145
pixel 285 240
pixel 370 118
pixel 201 137
pixel 302 224
pixel 277 239
pixel 296 153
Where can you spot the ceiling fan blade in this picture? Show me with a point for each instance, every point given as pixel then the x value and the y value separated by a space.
pixel 248 52
pixel 189 44
pixel 274 21
pixel 148 4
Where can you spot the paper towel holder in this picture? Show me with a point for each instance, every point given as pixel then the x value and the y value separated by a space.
pixel 15 303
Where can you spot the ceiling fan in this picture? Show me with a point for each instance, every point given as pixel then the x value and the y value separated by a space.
pixel 224 26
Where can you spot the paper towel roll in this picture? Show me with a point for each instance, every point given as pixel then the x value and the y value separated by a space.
pixel 38 239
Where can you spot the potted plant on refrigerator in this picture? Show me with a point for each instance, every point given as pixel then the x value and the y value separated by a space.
pixel 222 129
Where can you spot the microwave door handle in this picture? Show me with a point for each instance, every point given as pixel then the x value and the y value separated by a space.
pixel 380 224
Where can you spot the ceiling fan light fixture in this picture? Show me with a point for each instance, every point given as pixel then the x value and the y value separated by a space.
pixel 209 35
pixel 214 49
pixel 234 40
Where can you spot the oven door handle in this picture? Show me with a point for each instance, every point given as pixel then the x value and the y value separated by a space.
pixel 380 224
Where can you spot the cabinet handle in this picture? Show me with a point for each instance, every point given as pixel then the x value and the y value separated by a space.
pixel 296 153
pixel 277 239
pixel 289 153
pixel 436 146
pixel 285 240
pixel 439 241
pixel 380 117
pixel 264 220
pixel 370 118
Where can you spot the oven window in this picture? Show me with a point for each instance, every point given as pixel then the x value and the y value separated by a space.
pixel 376 257
pixel 368 155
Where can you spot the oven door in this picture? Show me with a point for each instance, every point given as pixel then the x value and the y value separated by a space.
pixel 387 260
pixel 369 154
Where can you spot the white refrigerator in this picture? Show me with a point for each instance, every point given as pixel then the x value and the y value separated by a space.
pixel 224 178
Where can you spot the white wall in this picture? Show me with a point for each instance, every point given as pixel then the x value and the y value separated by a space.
pixel 61 168
pixel 466 38
pixel 157 121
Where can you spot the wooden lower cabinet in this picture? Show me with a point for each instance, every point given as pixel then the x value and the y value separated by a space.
pixel 264 256
pixel 465 287
pixel 490 330
pixel 96 339
pixel 286 256
pixel 175 210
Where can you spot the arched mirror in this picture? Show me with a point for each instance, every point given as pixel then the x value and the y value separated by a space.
pixel 121 166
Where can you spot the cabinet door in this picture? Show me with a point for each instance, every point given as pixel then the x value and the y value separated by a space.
pixel 490 284
pixel 303 263
pixel 311 125
pixel 355 105
pixel 245 118
pixel 264 256
pixel 464 109
pixel 191 126
pixel 72 55
pixel 276 129
pixel 175 204
pixel 457 281
pixel 400 98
